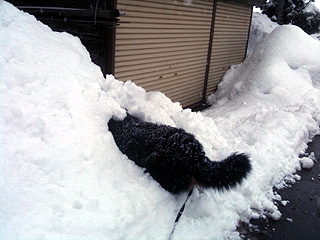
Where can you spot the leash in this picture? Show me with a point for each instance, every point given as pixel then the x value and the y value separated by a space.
pixel 180 213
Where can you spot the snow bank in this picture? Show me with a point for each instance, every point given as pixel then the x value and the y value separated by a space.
pixel 260 27
pixel 62 176
pixel 269 106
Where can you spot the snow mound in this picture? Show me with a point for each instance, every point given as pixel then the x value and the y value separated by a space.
pixel 269 106
pixel 62 176
pixel 260 27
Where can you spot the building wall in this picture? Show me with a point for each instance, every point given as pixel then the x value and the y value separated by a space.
pixel 231 28
pixel 162 45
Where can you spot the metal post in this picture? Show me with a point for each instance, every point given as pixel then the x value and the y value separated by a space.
pixel 249 30
pixel 109 37
pixel 206 78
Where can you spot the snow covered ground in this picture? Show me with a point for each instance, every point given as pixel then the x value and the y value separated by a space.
pixel 62 176
pixel 314 5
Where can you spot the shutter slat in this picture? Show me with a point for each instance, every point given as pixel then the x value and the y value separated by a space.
pixel 229 40
pixel 163 46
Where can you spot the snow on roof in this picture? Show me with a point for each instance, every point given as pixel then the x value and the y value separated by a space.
pixel 62 176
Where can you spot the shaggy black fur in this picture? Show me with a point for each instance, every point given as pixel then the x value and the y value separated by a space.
pixel 174 157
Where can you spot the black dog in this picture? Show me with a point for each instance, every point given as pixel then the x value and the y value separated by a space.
pixel 174 157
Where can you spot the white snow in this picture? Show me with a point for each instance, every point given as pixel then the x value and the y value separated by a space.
pixel 257 9
pixel 317 3
pixel 312 7
pixel 285 202
pixel 62 176
pixel 260 27
pixel 276 215
pixel 289 220
pixel 306 162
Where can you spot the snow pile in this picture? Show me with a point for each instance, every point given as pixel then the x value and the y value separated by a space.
pixel 269 106
pixel 62 176
pixel 261 26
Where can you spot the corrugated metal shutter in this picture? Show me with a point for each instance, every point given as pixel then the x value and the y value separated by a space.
pixel 231 29
pixel 163 45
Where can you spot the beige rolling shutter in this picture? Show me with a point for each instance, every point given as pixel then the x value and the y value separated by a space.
pixel 162 45
pixel 231 30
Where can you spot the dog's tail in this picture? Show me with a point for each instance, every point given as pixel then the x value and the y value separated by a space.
pixel 222 175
